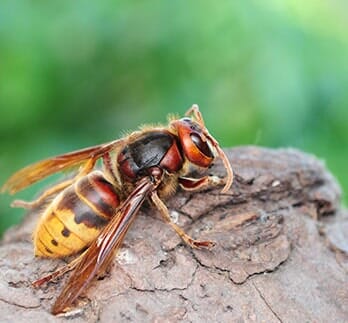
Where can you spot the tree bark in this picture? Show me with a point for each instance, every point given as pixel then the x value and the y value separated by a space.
pixel 281 254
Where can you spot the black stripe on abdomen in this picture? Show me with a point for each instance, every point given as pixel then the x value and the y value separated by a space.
pixel 83 213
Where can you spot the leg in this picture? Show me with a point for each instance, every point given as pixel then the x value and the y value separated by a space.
pixel 190 241
pixel 55 189
pixel 193 184
pixel 58 273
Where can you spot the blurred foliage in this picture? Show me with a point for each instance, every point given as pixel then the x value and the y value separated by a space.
pixel 75 74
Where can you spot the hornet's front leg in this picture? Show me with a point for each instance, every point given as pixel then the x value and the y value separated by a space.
pixel 184 236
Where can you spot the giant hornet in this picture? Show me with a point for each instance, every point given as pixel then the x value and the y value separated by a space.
pixel 92 211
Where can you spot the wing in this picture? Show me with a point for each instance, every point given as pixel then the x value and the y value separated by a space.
pixel 99 254
pixel 37 171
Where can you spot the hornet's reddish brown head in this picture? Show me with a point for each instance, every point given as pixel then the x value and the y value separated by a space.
pixel 198 145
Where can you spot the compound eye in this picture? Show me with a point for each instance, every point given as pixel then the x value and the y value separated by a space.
pixel 201 145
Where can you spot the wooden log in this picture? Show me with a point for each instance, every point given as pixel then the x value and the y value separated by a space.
pixel 281 254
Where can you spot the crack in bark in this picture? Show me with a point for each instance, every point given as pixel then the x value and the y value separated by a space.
pixel 155 289
pixel 213 269
pixel 266 303
pixel 261 272
pixel 19 305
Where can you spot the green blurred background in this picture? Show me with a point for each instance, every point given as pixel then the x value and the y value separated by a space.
pixel 75 74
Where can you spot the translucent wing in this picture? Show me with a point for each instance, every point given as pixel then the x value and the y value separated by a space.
pixel 100 253
pixel 37 171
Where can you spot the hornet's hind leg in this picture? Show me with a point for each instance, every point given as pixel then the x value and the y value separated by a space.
pixel 55 189
pixel 58 273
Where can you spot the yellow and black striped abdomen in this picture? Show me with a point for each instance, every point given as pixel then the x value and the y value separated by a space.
pixel 75 216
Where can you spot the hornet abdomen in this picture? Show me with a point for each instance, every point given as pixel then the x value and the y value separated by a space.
pixel 76 216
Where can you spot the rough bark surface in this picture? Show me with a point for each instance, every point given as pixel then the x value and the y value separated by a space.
pixel 281 254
